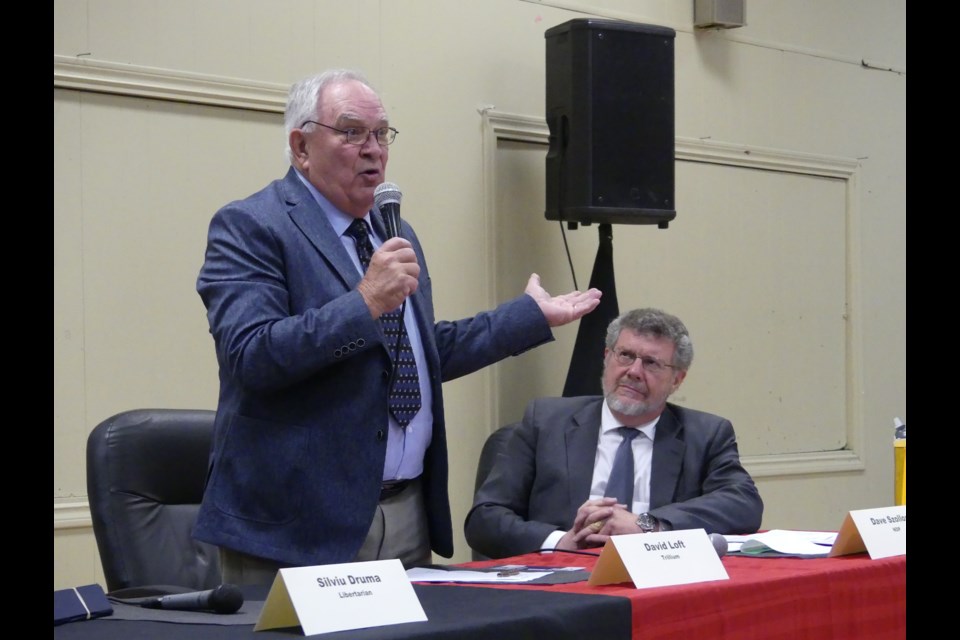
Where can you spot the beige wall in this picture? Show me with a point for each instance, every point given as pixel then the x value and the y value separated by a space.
pixel 787 257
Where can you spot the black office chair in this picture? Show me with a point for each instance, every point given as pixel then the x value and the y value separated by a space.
pixel 146 471
pixel 496 442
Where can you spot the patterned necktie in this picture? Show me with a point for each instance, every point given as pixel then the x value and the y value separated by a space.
pixel 620 484
pixel 404 398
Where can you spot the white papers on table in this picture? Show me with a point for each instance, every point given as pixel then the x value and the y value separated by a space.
pixel 783 542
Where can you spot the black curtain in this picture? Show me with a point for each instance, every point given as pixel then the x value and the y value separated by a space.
pixel 586 364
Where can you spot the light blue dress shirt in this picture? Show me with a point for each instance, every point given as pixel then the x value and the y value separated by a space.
pixel 406 447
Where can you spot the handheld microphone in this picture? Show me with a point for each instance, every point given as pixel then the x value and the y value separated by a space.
pixel 719 544
pixel 224 599
pixel 387 199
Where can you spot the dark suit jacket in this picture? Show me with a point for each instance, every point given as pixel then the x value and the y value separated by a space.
pixel 301 421
pixel 544 473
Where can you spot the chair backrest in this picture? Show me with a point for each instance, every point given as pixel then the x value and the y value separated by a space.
pixel 496 442
pixel 146 471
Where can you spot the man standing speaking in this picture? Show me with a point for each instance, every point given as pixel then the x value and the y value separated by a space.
pixel 330 442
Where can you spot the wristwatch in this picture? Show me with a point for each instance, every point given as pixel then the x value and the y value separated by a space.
pixel 647 522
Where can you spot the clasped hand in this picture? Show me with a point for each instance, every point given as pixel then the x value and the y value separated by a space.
pixel 596 521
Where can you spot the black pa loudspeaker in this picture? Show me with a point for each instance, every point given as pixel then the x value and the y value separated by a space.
pixel 610 113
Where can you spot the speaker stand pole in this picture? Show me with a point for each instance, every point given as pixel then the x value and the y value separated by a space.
pixel 586 363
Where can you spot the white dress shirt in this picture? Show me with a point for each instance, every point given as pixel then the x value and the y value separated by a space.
pixel 607 446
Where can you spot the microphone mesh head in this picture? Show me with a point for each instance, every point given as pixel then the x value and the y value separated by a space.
pixel 719 544
pixel 386 192
pixel 227 598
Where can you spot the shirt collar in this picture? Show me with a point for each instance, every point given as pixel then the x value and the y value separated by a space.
pixel 338 219
pixel 608 423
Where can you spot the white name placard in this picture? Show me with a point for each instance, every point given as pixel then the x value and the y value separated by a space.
pixel 881 532
pixel 658 559
pixel 337 597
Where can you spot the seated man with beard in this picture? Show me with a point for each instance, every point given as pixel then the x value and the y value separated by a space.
pixel 578 470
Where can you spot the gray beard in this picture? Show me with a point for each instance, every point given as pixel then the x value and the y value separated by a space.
pixel 626 408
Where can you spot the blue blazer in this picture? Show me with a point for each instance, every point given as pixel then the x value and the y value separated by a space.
pixel 301 422
pixel 545 470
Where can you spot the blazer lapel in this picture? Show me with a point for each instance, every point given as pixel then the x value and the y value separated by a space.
pixel 581 436
pixel 668 451
pixel 379 227
pixel 310 219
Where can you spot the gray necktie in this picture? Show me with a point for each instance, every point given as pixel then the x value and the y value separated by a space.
pixel 404 397
pixel 620 484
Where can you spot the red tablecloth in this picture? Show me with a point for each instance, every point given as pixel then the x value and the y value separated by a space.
pixel 765 598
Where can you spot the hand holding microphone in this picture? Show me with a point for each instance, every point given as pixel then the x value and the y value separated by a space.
pixel 393 273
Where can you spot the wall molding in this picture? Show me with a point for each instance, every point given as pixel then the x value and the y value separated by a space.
pixel 498 125
pixel 99 76
pixel 795 464
pixel 747 157
pixel 85 74
pixel 73 514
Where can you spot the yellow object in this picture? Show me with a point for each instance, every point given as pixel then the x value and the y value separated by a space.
pixel 900 471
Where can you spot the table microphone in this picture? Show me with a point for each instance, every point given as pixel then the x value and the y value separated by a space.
pixel 387 199
pixel 719 544
pixel 226 598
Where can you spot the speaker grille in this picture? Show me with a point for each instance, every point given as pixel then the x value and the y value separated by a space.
pixel 610 110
